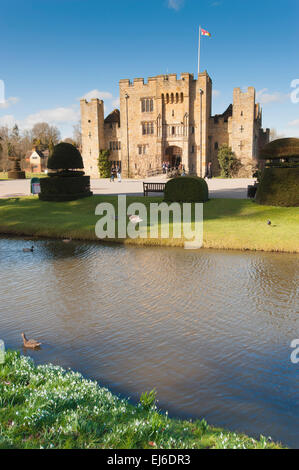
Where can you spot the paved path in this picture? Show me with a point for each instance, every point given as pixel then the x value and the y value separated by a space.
pixel 218 188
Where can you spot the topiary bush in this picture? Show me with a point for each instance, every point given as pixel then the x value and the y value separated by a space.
pixel 65 157
pixel 68 188
pixel 65 182
pixel 279 187
pixel 186 189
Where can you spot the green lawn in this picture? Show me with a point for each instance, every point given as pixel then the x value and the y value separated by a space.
pixel 228 223
pixel 3 175
pixel 47 407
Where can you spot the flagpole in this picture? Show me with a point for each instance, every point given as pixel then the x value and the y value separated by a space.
pixel 199 50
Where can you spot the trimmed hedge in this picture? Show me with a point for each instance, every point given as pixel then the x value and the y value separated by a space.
pixel 59 188
pixel 186 189
pixel 281 148
pixel 65 157
pixel 279 187
pixel 16 175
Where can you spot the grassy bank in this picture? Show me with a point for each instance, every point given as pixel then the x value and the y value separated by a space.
pixel 46 406
pixel 228 223
pixel 4 175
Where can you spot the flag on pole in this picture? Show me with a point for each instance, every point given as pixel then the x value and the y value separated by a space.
pixel 205 33
pixel 202 32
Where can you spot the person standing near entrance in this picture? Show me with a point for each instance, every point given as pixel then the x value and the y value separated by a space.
pixel 112 174
pixel 209 173
pixel 118 172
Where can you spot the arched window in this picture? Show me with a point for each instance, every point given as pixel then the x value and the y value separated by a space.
pixel 182 97
pixel 162 96
pixel 216 146
pixel 151 105
pixel 167 98
pixel 172 98
pixel 176 97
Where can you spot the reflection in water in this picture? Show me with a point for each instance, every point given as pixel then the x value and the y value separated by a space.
pixel 210 330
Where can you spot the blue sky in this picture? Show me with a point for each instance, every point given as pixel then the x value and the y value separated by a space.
pixel 55 51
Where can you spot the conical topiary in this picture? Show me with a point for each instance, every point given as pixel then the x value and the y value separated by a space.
pixel 65 157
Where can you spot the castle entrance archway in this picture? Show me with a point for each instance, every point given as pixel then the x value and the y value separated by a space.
pixel 173 155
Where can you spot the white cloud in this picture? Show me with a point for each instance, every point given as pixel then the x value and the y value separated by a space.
pixel 8 120
pixel 176 4
pixel 294 123
pixel 265 98
pixel 53 116
pixel 101 95
pixel 9 102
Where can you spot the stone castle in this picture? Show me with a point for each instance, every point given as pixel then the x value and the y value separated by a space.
pixel 170 119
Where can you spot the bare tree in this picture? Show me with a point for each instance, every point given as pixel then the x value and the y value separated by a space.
pixel 275 135
pixel 43 134
pixel 77 135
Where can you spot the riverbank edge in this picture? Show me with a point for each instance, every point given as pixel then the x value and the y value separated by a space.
pixel 46 406
pixel 236 225
pixel 141 242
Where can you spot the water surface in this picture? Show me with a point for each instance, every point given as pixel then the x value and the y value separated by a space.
pixel 211 330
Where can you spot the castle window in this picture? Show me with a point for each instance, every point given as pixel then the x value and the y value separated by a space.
pixel 89 120
pixel 114 145
pixel 167 98
pixel 192 150
pixel 142 149
pixel 172 98
pixel 192 130
pixel 176 97
pixel 241 113
pixel 173 113
pixel 182 97
pixel 216 146
pixel 147 105
pixel 147 128
pixel 173 130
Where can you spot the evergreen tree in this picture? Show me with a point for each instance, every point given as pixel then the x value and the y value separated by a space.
pixel 228 161
pixel 104 164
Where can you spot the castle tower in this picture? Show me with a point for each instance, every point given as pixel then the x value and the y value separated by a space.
pixel 244 120
pixel 93 139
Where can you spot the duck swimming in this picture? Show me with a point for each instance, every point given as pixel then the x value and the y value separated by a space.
pixel 30 343
pixel 28 250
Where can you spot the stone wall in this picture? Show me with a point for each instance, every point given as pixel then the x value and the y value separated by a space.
pixel 175 122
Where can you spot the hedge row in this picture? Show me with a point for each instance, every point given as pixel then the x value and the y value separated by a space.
pixel 279 187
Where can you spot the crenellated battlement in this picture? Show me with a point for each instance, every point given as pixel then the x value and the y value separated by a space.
pixel 164 79
pixel 93 101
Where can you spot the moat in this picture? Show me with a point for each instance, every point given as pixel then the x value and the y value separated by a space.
pixel 211 330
